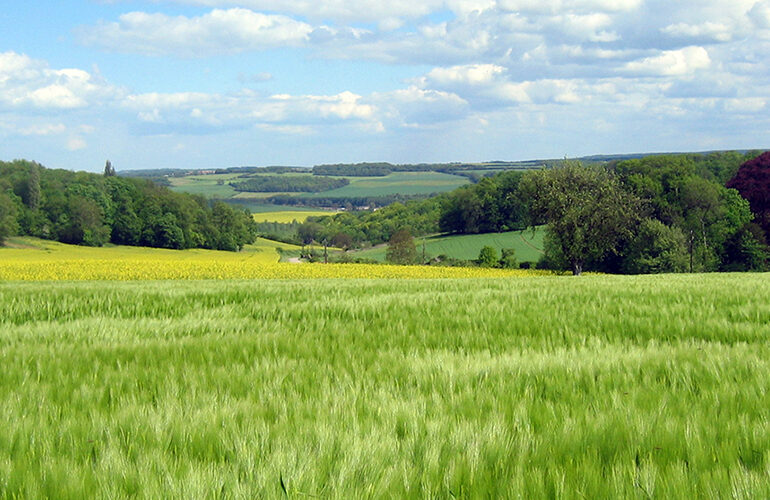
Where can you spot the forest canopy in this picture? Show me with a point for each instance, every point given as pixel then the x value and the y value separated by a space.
pixel 90 209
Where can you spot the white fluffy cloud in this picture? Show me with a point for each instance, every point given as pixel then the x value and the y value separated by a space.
pixel 534 39
pixel 414 107
pixel 343 106
pixel 671 63
pixel 351 10
pixel 25 82
pixel 472 74
pixel 283 113
pixel 557 6
pixel 486 85
pixel 376 10
pixel 719 32
pixel 220 31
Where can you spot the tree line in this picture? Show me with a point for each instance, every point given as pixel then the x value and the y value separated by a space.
pixel 90 209
pixel 382 169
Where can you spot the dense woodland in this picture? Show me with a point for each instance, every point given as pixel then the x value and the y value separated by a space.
pixel 90 209
pixel 666 213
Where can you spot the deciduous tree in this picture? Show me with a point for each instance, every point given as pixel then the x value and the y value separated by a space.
pixel 508 258
pixel 8 225
pixel 588 212
pixel 488 256
pixel 656 248
pixel 109 170
pixel 401 248
pixel 753 183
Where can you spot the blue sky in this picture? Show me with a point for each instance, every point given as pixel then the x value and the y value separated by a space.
pixel 217 83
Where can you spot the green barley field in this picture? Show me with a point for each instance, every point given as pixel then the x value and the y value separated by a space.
pixel 544 387
pixel 410 183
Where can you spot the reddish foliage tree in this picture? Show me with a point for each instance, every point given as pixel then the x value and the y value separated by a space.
pixel 753 182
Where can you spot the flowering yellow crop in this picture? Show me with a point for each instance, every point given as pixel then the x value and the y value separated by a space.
pixel 56 261
pixel 191 269
pixel 286 216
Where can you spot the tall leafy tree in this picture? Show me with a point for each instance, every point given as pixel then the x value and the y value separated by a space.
pixel 8 211
pixel 701 209
pixel 489 206
pixel 656 248
pixel 589 214
pixel 84 223
pixel 745 250
pixel 753 183
pixel 33 187
pixel 401 248
pixel 237 228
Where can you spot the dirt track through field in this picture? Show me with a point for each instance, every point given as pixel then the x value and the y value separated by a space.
pixel 529 243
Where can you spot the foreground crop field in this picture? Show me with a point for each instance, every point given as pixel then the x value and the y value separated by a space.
pixel 595 387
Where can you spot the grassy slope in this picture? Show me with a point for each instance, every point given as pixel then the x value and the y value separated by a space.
pixel 397 183
pixel 596 387
pixel 527 245
pixel 205 185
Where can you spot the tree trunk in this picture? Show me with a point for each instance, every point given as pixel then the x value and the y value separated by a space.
pixel 577 268
pixel 692 249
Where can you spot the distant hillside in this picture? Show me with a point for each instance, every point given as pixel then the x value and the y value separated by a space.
pixel 366 169
pixel 350 185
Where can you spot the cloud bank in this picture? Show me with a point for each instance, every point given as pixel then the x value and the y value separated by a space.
pixel 582 72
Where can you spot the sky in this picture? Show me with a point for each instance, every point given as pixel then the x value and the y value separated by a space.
pixel 221 83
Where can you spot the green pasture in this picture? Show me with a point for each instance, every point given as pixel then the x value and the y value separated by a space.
pixel 527 244
pixel 205 185
pixel 408 183
pixel 550 387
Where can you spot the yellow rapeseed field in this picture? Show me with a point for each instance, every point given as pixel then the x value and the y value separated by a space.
pixel 48 261
pixel 287 216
